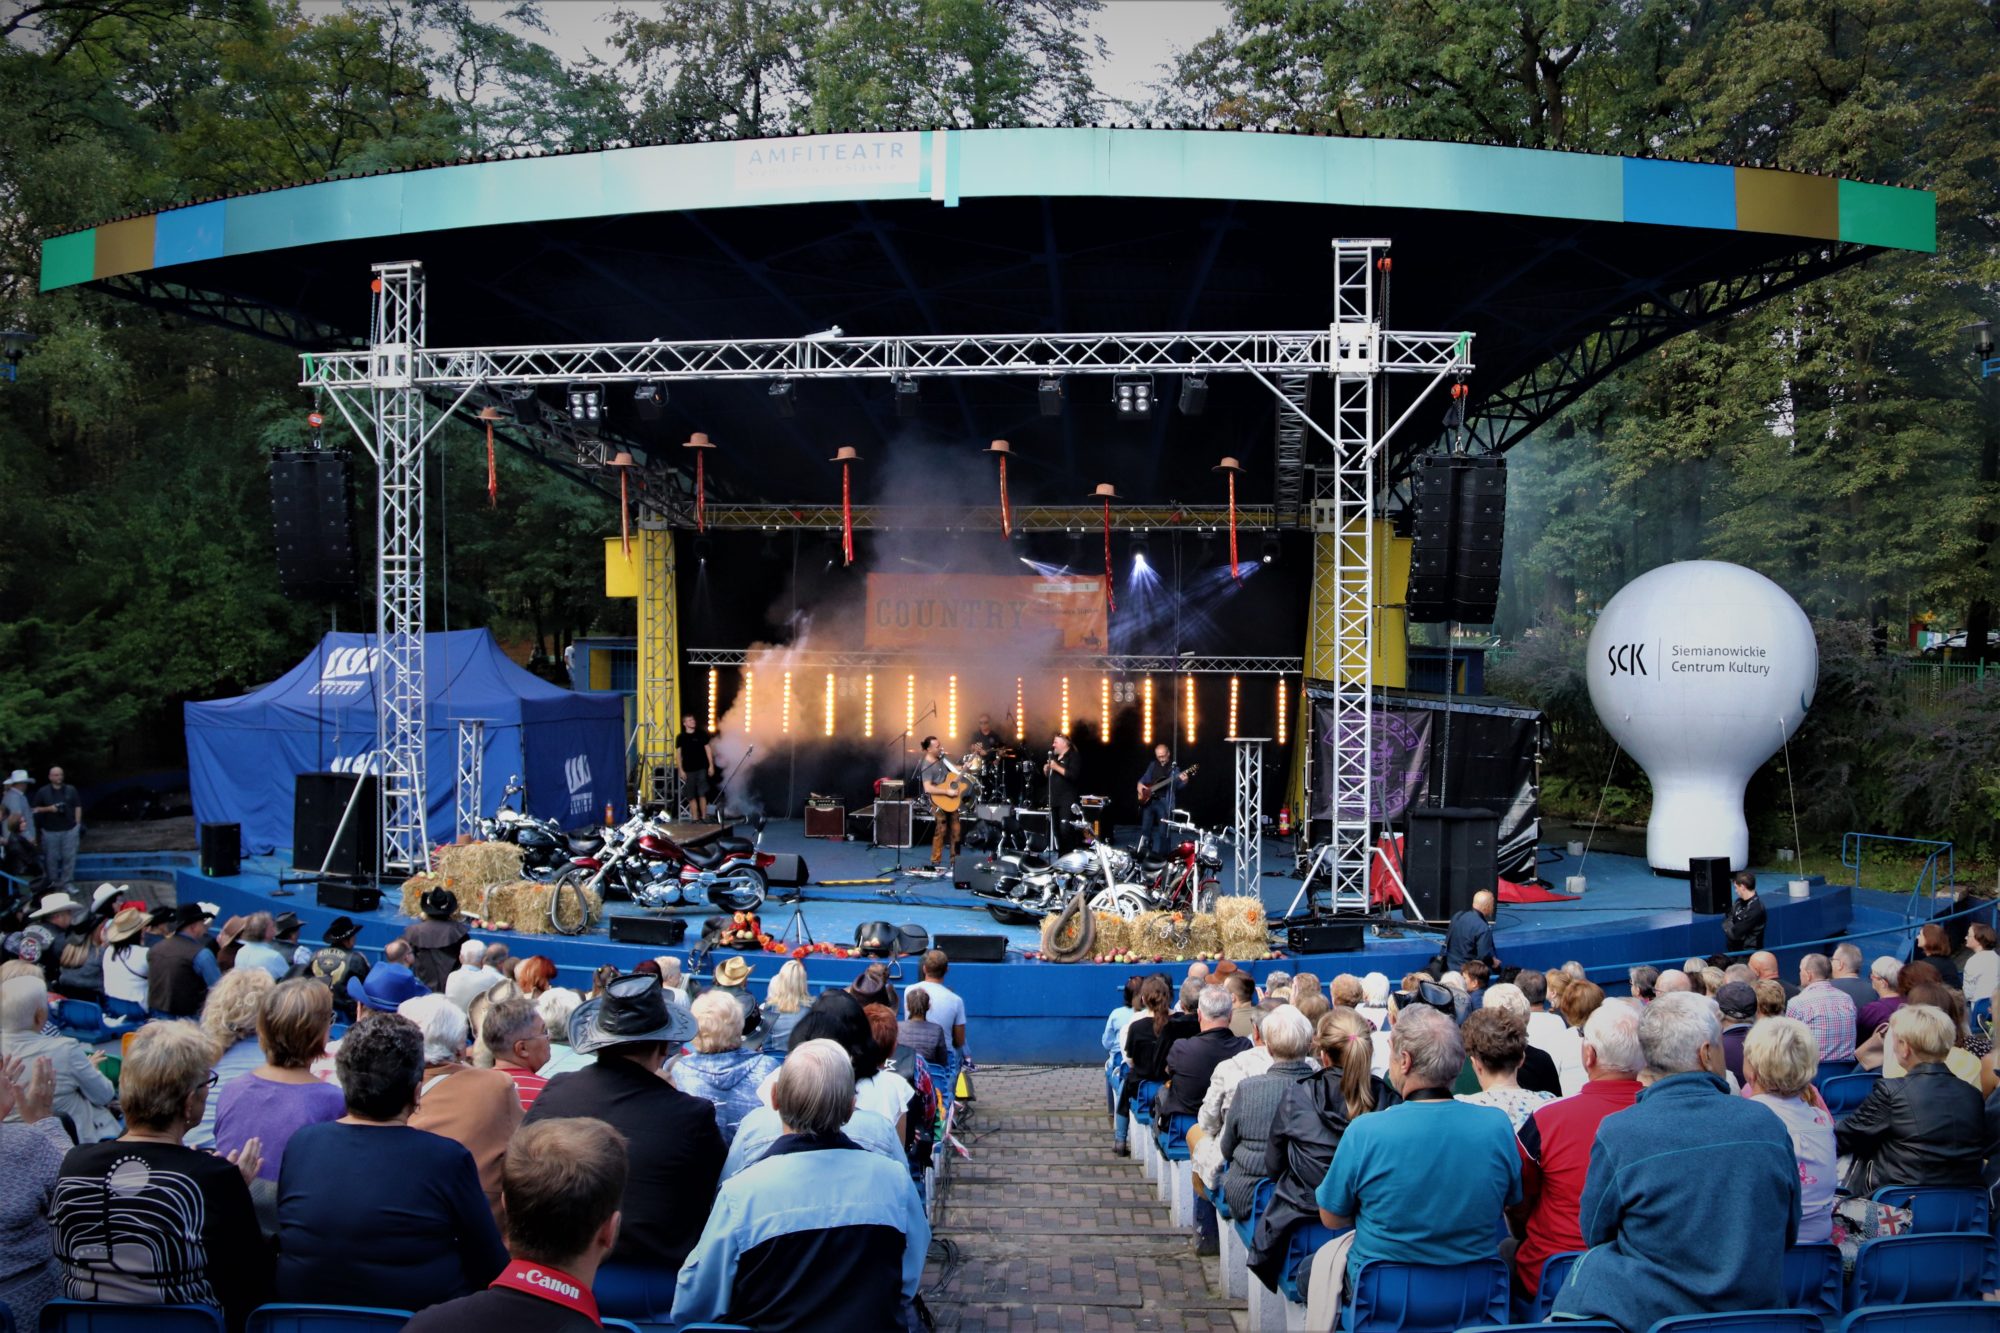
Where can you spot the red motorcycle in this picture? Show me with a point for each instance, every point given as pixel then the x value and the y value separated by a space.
pixel 641 862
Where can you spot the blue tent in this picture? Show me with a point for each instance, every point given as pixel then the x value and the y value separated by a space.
pixel 243 753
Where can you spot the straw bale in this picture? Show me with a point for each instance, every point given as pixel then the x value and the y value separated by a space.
pixel 414 888
pixel 1205 933
pixel 471 869
pixel 1245 933
pixel 1113 934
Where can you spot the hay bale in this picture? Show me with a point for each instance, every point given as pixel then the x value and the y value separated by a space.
pixel 1245 933
pixel 1205 933
pixel 1113 934
pixel 470 870
pixel 1161 935
pixel 414 888
pixel 527 904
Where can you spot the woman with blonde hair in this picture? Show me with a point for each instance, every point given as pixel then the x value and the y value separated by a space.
pixel 719 1070
pixel 784 1004
pixel 1780 1058
pixel 1925 1128
pixel 1312 1116
pixel 1580 999
pixel 229 1020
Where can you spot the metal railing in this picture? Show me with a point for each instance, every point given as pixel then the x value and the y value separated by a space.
pixel 1853 852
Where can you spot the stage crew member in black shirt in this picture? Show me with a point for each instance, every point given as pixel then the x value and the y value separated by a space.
pixel 696 751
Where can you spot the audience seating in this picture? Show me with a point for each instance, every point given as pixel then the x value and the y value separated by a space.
pixel 1389 1297
pixel 325 1319
pixel 1845 1092
pixel 1555 1272
pixel 6 1318
pixel 1567 1326
pixel 1176 1167
pixel 1140 1132
pixel 1938 1317
pixel 1830 1069
pixel 1935 1208
pixel 101 1317
pixel 1813 1277
pixel 630 1292
pixel 84 1021
pixel 1741 1321
pixel 1902 1270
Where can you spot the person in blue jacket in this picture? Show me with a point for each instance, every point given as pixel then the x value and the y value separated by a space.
pixel 819 1233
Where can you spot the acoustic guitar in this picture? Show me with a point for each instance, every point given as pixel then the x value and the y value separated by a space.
pixel 1146 791
pixel 955 786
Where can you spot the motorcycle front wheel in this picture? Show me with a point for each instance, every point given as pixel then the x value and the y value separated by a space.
pixel 740 891
pixel 1125 900
pixel 569 908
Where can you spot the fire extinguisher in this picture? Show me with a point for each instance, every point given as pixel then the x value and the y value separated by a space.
pixel 1284 821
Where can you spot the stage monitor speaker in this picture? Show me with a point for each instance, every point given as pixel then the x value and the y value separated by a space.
pixel 892 823
pixel 1708 885
pixel 972 948
pixel 668 930
pixel 787 871
pixel 1449 855
pixel 826 821
pixel 318 802
pixel 221 849
pixel 312 520
pixel 349 897
pixel 1324 937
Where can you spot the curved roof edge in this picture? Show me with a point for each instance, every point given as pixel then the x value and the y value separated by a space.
pixel 949 165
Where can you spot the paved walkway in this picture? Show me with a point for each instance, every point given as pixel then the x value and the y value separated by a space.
pixel 1051 1231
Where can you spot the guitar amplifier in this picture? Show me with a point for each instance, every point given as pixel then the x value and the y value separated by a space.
pixel 826 820
pixel 890 789
pixel 892 823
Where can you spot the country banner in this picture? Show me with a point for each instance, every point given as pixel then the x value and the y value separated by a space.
pixel 974 612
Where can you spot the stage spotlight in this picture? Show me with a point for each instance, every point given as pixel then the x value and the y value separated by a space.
pixel 1049 393
pixel 782 399
pixel 586 405
pixel 1134 397
pixel 1194 395
pixel 1270 548
pixel 1140 550
pixel 908 398
pixel 649 401
pixel 701 549
pixel 525 404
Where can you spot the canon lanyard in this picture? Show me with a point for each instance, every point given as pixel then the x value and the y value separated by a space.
pixel 551 1284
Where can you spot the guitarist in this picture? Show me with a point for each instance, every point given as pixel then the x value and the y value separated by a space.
pixel 1157 788
pixel 945 785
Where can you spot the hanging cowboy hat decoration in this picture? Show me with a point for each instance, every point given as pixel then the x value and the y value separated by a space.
pixel 699 443
pixel 1232 467
pixel 1003 449
pixel 490 414
pixel 1107 493
pixel 846 456
pixel 622 460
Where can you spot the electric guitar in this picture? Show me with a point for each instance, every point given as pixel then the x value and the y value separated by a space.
pixel 1146 790
pixel 949 794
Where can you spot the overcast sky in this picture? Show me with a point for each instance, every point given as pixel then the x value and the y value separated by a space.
pixel 1140 34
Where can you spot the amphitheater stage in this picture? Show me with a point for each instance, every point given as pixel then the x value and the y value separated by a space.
pixel 1029 1011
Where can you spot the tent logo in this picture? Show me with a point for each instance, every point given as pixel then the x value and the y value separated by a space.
pixel 347 671
pixel 576 771
pixel 366 762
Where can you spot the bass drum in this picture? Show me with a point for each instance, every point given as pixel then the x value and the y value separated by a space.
pixel 1126 900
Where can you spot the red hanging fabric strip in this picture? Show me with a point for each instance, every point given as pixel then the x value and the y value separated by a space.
pixel 1232 529
pixel 1006 516
pixel 1110 598
pixel 700 506
pixel 624 513
pixel 846 516
pixel 492 474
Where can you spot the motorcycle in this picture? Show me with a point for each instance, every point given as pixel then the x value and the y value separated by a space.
pixel 1187 879
pixel 546 849
pixel 1021 887
pixel 641 861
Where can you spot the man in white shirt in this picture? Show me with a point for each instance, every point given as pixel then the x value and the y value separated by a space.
pixel 1546 1031
pixel 947 1010
pixel 471 980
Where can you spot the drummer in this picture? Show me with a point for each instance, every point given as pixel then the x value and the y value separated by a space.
pixel 986 741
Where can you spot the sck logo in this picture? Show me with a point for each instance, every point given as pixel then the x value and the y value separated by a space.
pixel 347 671
pixel 1627 657
pixel 576 771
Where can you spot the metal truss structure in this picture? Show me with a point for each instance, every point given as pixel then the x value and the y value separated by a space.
pixel 471 774
pixel 1124 664
pixel 977 518
pixel 1248 877
pixel 396 372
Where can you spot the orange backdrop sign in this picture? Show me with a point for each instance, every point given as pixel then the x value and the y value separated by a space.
pixel 942 612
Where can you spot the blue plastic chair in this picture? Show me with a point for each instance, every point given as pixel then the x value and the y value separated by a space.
pixel 1741 1321
pixel 1935 1208
pixel 1829 1069
pixel 1813 1277
pixel 1555 1272
pixel 103 1317
pixel 1172 1137
pixel 1260 1199
pixel 1905 1270
pixel 6 1318
pixel 1215 1198
pixel 1566 1326
pixel 1937 1317
pixel 1389 1297
pixel 631 1292
pixel 1301 1244
pixel 325 1319
pixel 1846 1091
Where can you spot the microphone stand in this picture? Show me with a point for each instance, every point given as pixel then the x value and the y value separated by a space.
pixel 909 775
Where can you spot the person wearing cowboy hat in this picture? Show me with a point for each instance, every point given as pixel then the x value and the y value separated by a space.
pixel 435 940
pixel 383 989
pixel 125 962
pixel 48 927
pixel 181 967
pixel 17 826
pixel 336 960
pixel 676 1150
pixel 732 976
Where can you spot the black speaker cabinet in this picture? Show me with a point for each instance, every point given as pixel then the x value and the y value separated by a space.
pixel 668 930
pixel 1708 885
pixel 892 823
pixel 318 802
pixel 221 849
pixel 972 948
pixel 1450 854
pixel 312 520
pixel 349 897
pixel 1324 937
pixel 787 871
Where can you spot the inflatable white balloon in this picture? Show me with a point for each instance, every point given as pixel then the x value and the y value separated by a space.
pixel 1701 670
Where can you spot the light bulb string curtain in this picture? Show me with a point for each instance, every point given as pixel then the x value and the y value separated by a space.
pixel 1110 597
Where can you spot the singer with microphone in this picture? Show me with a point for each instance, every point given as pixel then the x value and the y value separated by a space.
pixel 1065 773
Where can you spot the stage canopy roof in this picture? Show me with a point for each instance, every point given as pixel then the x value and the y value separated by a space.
pixel 1562 265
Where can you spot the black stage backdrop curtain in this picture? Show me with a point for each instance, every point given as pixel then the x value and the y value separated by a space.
pixel 1490 764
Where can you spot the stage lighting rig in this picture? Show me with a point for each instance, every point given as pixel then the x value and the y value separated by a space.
pixel 783 399
pixel 908 398
pixel 1194 394
pixel 1134 396
pixel 649 401
pixel 586 406
pixel 525 404
pixel 1270 548
pixel 1049 393
pixel 1140 550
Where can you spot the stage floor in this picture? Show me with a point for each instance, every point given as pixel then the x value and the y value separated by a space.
pixel 1035 1012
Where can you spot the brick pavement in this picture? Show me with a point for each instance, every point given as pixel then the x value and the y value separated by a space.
pixel 1052 1231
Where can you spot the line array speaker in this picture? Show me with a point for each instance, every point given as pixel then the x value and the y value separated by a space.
pixel 1459 515
pixel 312 520
pixel 318 802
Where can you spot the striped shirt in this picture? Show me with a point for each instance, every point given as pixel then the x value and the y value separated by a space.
pixel 1825 1009
pixel 527 1083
